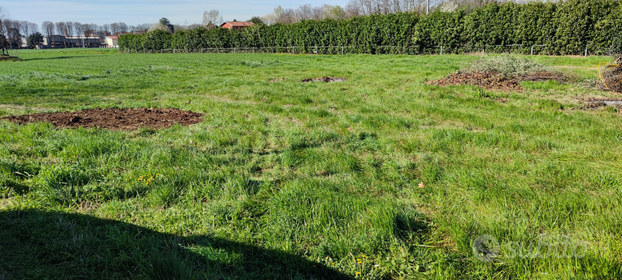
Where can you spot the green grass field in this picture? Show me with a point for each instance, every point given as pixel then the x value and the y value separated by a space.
pixel 378 177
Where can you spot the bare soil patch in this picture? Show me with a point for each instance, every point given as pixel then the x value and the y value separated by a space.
pixel 325 80
pixel 495 81
pixel 611 75
pixel 592 105
pixel 115 119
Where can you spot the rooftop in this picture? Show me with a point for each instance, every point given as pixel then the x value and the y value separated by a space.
pixel 237 23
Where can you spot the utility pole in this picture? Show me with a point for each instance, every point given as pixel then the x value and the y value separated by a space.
pixel 427 8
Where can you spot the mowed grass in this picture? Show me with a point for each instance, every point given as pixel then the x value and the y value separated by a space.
pixel 378 177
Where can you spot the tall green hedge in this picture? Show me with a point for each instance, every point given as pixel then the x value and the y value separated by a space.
pixel 566 27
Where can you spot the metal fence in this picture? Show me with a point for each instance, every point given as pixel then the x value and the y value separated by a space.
pixel 379 50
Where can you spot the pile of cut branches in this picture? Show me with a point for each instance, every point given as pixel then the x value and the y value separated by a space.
pixel 611 75
pixel 502 73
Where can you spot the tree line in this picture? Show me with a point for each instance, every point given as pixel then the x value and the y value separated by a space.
pixel 567 27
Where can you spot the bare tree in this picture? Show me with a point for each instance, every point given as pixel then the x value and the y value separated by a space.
pixel 76 28
pixel 317 13
pixel 69 28
pixel 24 28
pixel 7 32
pixel 470 4
pixel 3 32
pixel 353 9
pixel 370 7
pixel 114 28
pixel 211 18
pixel 142 28
pixel 95 27
pixel 122 27
pixel 285 16
pixel 62 30
pixel 304 12
pixel 14 37
pixel 81 30
pixel 333 12
pixel 33 27
pixel 269 19
pixel 50 30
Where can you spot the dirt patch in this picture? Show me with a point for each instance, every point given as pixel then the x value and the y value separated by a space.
pixel 592 105
pixel 495 81
pixel 490 81
pixel 115 119
pixel 325 80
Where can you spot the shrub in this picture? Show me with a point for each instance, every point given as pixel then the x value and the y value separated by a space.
pixel 509 66
pixel 566 27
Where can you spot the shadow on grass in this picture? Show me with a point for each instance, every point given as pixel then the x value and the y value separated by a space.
pixel 52 245
pixel 55 57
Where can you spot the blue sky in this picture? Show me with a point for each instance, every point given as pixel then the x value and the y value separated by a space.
pixel 135 12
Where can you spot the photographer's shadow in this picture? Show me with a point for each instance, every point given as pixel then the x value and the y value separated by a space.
pixel 37 244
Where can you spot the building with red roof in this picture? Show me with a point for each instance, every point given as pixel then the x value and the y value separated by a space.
pixel 236 24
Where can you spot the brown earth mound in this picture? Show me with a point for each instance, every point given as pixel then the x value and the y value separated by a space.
pixel 494 81
pixel 325 79
pixel 490 81
pixel 612 75
pixel 115 119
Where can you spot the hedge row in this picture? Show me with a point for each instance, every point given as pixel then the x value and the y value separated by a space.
pixel 566 27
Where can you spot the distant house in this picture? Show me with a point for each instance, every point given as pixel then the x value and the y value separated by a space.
pixel 90 33
pixel 112 41
pixel 99 34
pixel 236 24
pixel 83 42
pixel 54 41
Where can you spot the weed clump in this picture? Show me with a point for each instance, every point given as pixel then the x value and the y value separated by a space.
pixel 502 73
pixel 508 66
pixel 612 75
